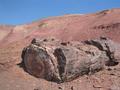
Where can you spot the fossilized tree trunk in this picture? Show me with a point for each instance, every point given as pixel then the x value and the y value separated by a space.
pixel 59 61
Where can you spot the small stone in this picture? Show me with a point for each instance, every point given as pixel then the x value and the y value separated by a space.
pixel 60 88
pixel 72 88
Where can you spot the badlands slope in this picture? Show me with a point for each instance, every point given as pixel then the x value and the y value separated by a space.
pixel 68 27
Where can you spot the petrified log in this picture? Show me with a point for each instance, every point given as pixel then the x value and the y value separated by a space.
pixel 112 49
pixel 59 61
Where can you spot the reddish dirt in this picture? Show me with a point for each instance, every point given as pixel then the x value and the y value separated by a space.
pixel 69 27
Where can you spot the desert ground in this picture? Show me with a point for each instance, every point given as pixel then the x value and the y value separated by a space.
pixel 74 27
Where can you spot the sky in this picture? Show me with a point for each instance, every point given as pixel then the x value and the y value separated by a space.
pixel 16 12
